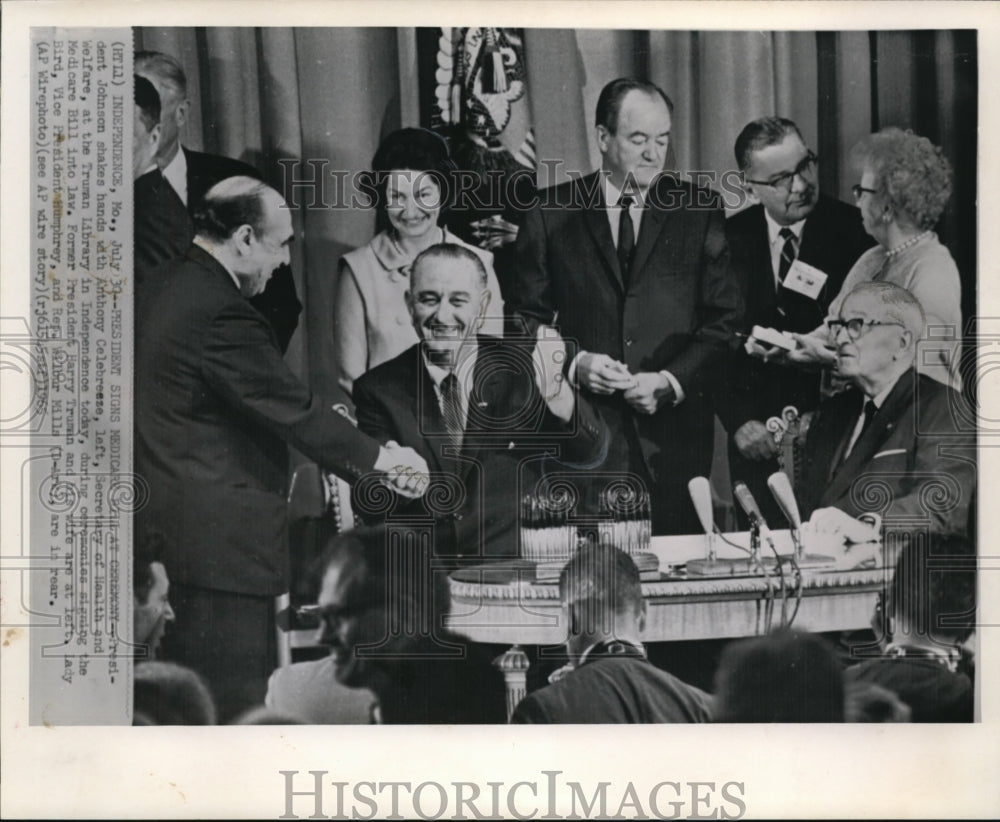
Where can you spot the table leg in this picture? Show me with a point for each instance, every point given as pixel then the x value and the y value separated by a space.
pixel 513 663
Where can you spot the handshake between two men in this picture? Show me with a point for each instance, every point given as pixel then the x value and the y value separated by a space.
pixel 406 471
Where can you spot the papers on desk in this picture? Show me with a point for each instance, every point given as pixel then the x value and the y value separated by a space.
pixel 677 550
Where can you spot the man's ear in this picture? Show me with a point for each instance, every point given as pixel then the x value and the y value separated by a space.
pixel 242 238
pixel 573 621
pixel 748 188
pixel 641 621
pixel 484 304
pixel 181 112
pixel 154 138
pixel 603 138
pixel 906 341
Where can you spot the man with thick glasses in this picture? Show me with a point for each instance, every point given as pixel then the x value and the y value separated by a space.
pixel 896 443
pixel 791 250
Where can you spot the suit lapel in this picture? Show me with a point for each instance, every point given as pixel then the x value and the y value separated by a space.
pixel 198 180
pixel 869 443
pixel 596 218
pixel 762 286
pixel 488 391
pixel 421 399
pixel 649 231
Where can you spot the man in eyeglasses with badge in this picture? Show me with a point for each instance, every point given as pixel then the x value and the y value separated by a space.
pixel 791 251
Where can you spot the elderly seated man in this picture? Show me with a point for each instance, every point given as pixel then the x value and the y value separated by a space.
pixel 896 443
pixel 609 679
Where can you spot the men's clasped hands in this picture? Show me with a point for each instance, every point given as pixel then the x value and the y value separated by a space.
pixel 405 470
pixel 646 391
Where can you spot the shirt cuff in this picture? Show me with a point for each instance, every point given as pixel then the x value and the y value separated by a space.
pixel 571 374
pixel 678 391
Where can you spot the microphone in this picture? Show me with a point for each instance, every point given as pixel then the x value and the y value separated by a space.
pixel 781 490
pixel 701 496
pixel 749 505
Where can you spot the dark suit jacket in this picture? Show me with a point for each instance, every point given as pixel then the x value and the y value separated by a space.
pixel 215 405
pixel 279 302
pixel 163 229
pixel 933 693
pixel 679 311
pixel 915 465
pixel 832 240
pixel 509 432
pixel 615 690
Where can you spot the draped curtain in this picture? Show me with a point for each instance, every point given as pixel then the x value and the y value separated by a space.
pixel 325 97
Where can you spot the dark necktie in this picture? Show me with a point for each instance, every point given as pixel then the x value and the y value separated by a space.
pixel 451 410
pixel 789 251
pixel 626 236
pixel 870 411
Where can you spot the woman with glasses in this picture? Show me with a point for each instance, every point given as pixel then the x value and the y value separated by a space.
pixel 412 172
pixel 904 187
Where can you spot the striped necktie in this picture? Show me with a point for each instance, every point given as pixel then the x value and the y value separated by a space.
pixel 789 251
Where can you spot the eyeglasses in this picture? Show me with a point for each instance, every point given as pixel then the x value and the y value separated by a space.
pixel 855 326
pixel 859 189
pixel 784 182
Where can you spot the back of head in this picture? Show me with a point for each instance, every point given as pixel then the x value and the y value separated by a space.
pixel 787 676
pixel 609 102
pixel 234 202
pixel 169 694
pixel 759 134
pixel 601 582
pixel 932 596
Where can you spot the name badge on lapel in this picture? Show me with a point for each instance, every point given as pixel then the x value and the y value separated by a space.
pixel 805 279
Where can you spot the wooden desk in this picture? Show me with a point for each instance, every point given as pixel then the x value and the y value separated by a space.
pixel 502 603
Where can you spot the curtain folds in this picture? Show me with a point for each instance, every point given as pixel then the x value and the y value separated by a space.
pixel 329 95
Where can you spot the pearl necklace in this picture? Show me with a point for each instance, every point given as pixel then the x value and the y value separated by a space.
pixel 892 252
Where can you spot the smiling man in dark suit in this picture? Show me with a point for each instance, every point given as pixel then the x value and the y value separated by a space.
pixel 488 415
pixel 634 267
pixel 898 443
pixel 192 173
pixel 790 225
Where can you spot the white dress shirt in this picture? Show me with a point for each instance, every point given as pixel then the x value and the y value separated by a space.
pixel 463 372
pixel 176 174
pixel 613 196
